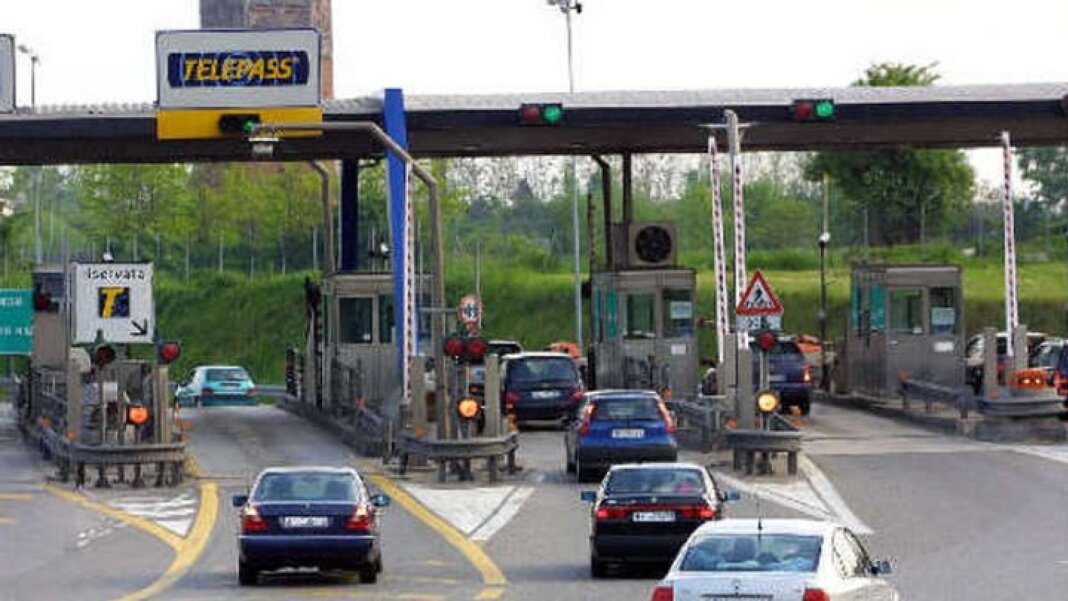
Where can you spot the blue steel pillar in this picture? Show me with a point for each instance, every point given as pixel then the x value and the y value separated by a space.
pixel 349 241
pixel 397 193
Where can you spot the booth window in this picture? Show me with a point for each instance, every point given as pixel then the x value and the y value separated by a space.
pixel 640 316
pixel 906 311
pixel 387 320
pixel 944 311
pixel 678 313
pixel 356 320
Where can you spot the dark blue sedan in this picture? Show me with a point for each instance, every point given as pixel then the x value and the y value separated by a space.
pixel 309 517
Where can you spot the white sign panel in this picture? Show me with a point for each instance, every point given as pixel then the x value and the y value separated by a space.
pixel 237 68
pixel 116 300
pixel 753 323
pixel 7 73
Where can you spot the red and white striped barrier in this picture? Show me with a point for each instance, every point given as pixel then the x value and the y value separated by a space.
pixel 720 258
pixel 1012 318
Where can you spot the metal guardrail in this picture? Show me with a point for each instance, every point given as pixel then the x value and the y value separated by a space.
pixel 961 399
pixel 699 423
pixel 1007 403
pixel 461 452
pixel 167 459
pixel 778 436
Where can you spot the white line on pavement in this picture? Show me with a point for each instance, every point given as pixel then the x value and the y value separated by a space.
pixel 508 509
pixel 830 496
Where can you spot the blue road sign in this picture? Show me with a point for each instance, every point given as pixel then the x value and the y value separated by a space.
pixel 16 321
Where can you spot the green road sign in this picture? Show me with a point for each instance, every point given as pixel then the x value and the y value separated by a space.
pixel 16 321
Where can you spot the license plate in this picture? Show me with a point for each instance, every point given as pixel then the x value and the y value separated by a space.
pixel 544 394
pixel 654 516
pixel 303 521
pixel 777 378
pixel 629 433
pixel 736 597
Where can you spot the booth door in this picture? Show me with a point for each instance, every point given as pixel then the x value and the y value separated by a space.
pixel 907 340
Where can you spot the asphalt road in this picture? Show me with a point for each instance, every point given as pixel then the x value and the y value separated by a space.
pixel 960 519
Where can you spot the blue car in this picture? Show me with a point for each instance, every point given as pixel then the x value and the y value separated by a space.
pixel 210 385
pixel 789 375
pixel 309 517
pixel 618 426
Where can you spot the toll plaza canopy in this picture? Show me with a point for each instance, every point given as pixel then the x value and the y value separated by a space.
pixel 592 123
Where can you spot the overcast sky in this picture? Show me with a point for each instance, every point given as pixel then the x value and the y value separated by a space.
pixel 102 50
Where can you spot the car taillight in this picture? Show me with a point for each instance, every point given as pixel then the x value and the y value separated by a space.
pixel 576 396
pixel 704 512
pixel 611 513
pixel 251 521
pixel 664 593
pixel 806 374
pixel 360 520
pixel 206 391
pixel 815 594
pixel 669 423
pixel 511 396
pixel 251 392
pixel 587 419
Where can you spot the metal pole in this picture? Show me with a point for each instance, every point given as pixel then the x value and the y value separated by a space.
pixel 37 251
pixel 574 190
pixel 478 280
pixel 328 238
pixel 824 240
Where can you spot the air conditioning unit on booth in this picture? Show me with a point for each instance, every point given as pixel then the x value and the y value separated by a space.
pixel 651 245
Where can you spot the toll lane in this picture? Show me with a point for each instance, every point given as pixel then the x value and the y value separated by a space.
pixel 232 444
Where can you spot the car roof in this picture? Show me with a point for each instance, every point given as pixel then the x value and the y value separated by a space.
pixel 656 465
pixel 220 367
pixel 768 526
pixel 294 469
pixel 621 392
pixel 537 354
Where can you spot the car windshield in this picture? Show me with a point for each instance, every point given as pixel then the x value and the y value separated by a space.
pixel 504 348
pixel 306 486
pixel 541 369
pixel 619 409
pixel 782 348
pixel 230 373
pixel 753 553
pixel 655 481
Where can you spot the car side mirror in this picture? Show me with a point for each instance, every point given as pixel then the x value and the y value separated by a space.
pixel 380 500
pixel 588 496
pixel 881 567
pixel 730 496
pixel 239 500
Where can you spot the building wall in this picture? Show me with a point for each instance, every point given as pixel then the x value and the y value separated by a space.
pixel 267 14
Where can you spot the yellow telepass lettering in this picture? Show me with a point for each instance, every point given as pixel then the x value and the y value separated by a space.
pixel 285 68
pixel 229 69
pixel 272 68
pixel 190 64
pixel 204 68
pixel 256 72
pixel 243 67
pixel 110 294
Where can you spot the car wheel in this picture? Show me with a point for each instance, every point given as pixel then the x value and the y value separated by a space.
pixel 569 463
pixel 246 574
pixel 598 568
pixel 369 573
pixel 196 401
pixel 805 406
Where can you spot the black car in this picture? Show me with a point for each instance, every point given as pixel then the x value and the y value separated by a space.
pixel 643 513
pixel 313 517
pixel 540 387
pixel 790 375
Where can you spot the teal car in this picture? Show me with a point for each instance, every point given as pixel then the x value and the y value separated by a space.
pixel 213 385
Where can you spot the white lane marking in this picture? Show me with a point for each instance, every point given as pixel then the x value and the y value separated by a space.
pixel 830 496
pixel 507 511
pixel 173 513
pixel 473 511
pixel 1058 453
pixel 798 496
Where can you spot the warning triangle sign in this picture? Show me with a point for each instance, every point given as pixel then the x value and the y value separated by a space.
pixel 758 298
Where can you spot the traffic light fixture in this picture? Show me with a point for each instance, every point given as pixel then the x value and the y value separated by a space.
pixel 238 123
pixel 43 302
pixel 168 351
pixel 466 349
pixel 541 113
pixel 103 354
pixel 812 110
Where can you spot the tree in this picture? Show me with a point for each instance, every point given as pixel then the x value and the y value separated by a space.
pixel 905 194
pixel 1047 168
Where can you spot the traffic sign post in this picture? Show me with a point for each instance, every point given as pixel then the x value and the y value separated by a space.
pixel 758 307
pixel 470 310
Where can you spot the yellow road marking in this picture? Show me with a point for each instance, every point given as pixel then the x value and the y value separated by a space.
pixel 491 574
pixel 169 538
pixel 192 546
pixel 15 496
pixel 6 521
pixel 491 593
pixel 186 550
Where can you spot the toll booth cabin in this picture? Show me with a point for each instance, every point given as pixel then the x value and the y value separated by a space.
pixel 356 360
pixel 643 330
pixel 904 320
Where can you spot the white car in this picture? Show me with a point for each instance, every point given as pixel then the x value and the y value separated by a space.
pixel 774 560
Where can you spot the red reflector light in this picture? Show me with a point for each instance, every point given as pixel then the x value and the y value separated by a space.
pixel 510 396
pixel 454 346
pixel 664 593
pixel 475 349
pixel 251 520
pixel 815 594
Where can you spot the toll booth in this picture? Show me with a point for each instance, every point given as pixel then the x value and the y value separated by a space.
pixel 357 359
pixel 903 320
pixel 643 330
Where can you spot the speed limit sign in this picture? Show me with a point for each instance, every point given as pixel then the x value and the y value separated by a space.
pixel 470 309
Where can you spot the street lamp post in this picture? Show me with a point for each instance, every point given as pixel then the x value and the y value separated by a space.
pixel 567 7
pixel 34 60
pixel 824 240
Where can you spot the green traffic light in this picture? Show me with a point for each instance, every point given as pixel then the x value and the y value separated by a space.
pixel 552 113
pixel 825 109
pixel 248 125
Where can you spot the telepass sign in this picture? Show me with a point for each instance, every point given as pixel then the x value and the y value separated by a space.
pixel 114 299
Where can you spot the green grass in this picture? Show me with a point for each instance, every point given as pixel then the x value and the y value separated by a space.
pixel 228 319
